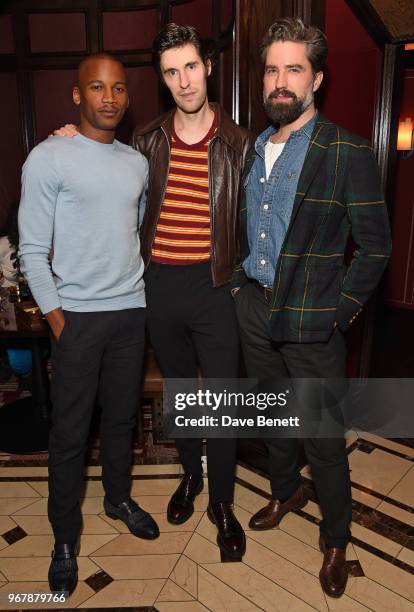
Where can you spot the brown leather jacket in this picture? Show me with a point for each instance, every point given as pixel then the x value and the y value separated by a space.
pixel 227 152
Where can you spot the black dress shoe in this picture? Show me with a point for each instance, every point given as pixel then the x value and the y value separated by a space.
pixel 181 504
pixel 230 538
pixel 63 570
pixel 140 523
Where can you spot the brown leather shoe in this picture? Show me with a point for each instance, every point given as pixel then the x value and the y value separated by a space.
pixel 334 573
pixel 230 537
pixel 271 515
pixel 181 504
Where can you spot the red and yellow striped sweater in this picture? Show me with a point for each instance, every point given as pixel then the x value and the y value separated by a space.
pixel 183 234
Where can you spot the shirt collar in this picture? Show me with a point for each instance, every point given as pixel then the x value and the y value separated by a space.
pixel 306 130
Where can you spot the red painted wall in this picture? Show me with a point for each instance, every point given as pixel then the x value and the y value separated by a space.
pixel 400 278
pixel 354 68
pixel 349 98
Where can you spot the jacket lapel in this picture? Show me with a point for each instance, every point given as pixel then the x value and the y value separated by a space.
pixel 322 135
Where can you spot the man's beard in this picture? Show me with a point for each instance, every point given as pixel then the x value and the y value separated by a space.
pixel 286 112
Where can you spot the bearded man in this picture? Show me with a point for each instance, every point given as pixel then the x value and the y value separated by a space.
pixel 308 184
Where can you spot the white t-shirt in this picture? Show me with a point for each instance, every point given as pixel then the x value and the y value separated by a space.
pixel 272 151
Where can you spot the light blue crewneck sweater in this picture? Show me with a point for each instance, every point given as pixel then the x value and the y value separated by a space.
pixel 80 200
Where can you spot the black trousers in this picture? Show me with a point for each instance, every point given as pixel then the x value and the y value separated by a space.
pixel 327 457
pixel 97 353
pixel 192 323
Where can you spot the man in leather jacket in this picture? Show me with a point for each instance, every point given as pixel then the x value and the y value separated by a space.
pixel 196 155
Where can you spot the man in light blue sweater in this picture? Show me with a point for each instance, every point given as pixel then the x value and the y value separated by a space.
pixel 79 250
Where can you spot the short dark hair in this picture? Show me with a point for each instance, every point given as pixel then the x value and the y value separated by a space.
pixel 291 29
pixel 98 56
pixel 174 35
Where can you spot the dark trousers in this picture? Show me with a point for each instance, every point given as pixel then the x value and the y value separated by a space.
pixel 97 353
pixel 327 457
pixel 192 323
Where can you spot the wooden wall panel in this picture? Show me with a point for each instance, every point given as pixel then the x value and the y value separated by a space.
pixel 144 103
pixel 11 146
pixel 126 30
pixel 6 34
pixel 198 13
pixel 43 41
pixel 400 278
pixel 57 32
pixel 52 97
pixel 253 18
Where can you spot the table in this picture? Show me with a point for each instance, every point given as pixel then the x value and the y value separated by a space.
pixel 24 424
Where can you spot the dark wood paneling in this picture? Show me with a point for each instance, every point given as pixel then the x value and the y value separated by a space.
pixel 6 34
pixel 370 19
pixel 133 48
pixel 52 95
pixel 253 18
pixel 199 13
pixel 11 149
pixel 389 21
pixel 385 143
pixel 386 120
pixel 128 30
pixel 398 18
pixel 66 32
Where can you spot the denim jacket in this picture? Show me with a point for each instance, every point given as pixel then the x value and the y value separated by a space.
pixel 270 202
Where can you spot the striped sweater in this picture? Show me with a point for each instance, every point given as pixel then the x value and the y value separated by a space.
pixel 183 234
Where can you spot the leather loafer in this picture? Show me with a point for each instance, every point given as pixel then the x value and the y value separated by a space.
pixel 271 515
pixel 140 523
pixel 334 573
pixel 230 537
pixel 63 570
pixel 181 504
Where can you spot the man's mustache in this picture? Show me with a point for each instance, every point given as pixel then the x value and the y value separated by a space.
pixel 281 91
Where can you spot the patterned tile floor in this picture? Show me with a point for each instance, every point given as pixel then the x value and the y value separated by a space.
pixel 181 571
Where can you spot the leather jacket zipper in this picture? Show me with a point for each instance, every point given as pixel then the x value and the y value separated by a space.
pixel 211 207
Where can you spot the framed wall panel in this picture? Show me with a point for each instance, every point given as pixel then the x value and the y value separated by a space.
pixel 52 95
pixel 123 30
pixel 143 100
pixel 226 78
pixel 57 32
pixel 198 13
pixel 226 15
pixel 400 277
pixel 52 37
pixel 6 34
pixel 11 146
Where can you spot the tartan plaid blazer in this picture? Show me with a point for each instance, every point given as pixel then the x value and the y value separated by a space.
pixel 339 193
